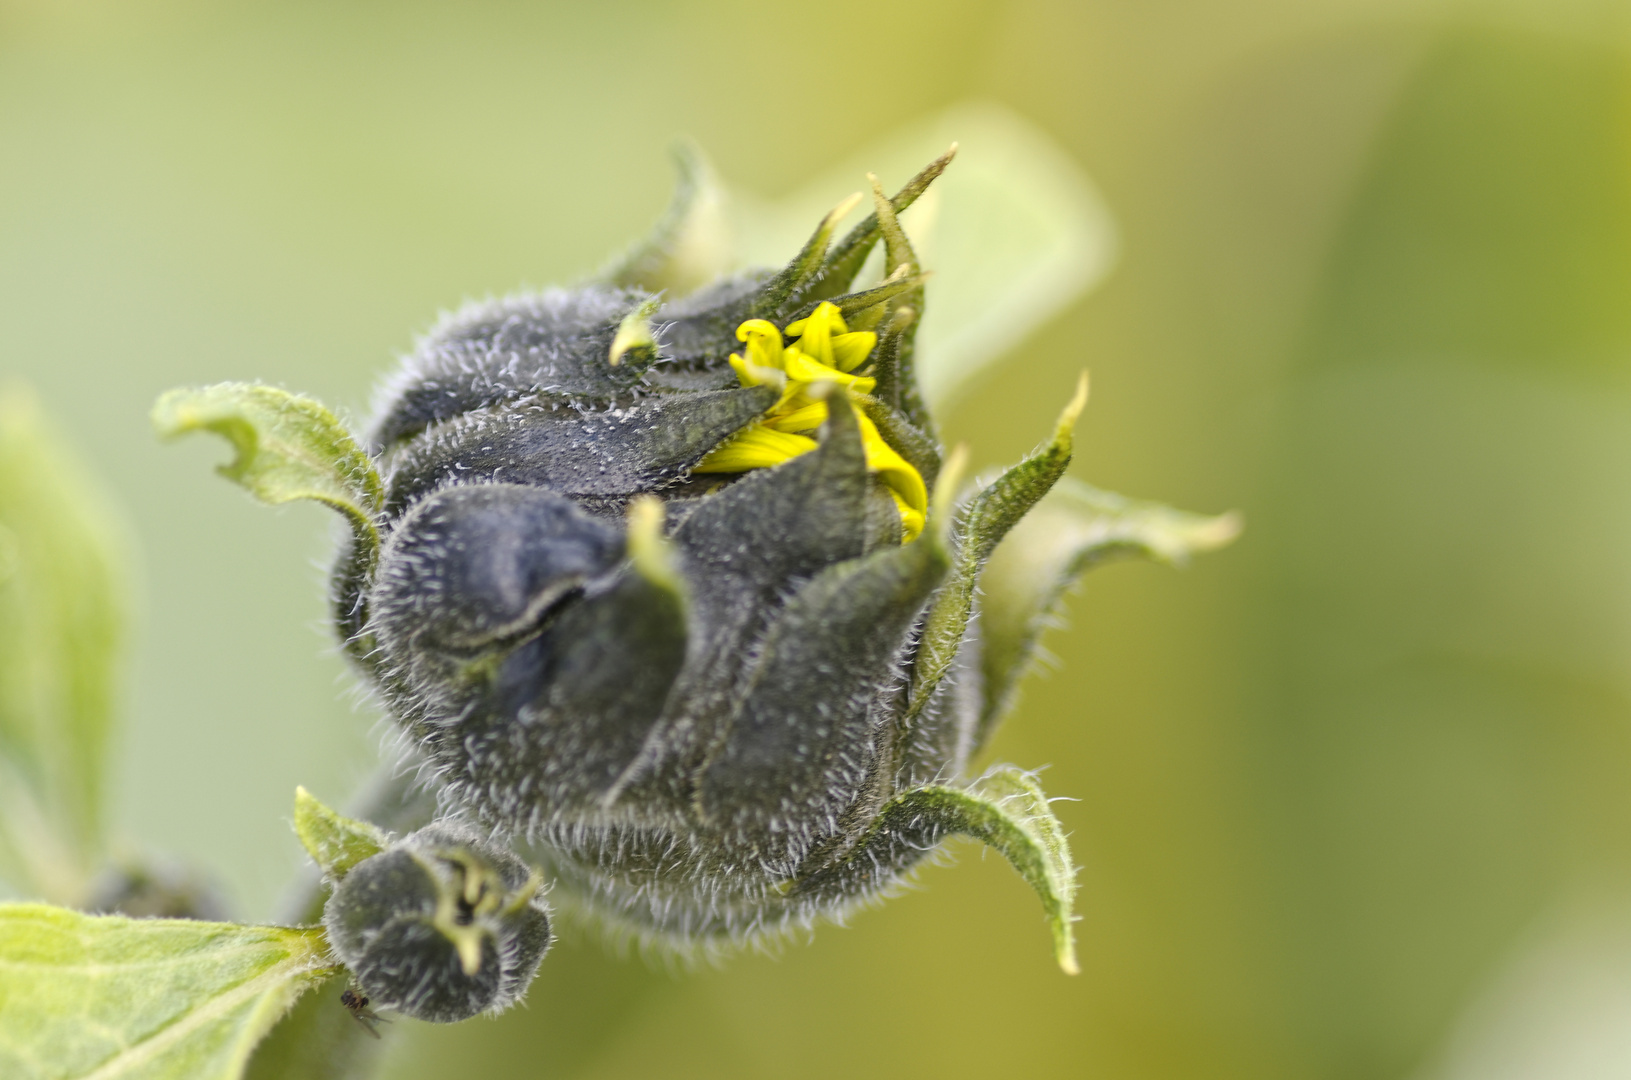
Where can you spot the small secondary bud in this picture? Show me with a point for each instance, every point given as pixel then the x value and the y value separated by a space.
pixel 441 926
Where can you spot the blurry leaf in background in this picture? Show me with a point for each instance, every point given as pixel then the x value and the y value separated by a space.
pixel 62 610
pixel 1444 566
pixel 110 998
pixel 1558 1010
pixel 1013 233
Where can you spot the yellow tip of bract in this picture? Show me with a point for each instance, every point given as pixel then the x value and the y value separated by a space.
pixel 843 208
pixel 1220 531
pixel 649 550
pixel 634 332
pixel 1073 408
pixel 469 946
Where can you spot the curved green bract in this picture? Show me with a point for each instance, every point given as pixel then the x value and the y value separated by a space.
pixel 982 522
pixel 98 997
pixel 288 447
pixel 1007 810
pixel 691 245
pixel 1074 528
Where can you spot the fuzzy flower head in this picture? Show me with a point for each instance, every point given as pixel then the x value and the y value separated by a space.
pixel 666 579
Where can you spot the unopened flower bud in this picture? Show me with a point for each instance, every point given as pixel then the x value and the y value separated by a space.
pixel 440 926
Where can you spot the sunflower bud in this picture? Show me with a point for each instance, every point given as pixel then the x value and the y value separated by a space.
pixel 440 926
pixel 653 575
pixel 675 588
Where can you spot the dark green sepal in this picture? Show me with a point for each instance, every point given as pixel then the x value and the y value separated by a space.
pixel 852 304
pixel 481 566
pixel 565 713
pixel 612 454
pixel 553 347
pixel 893 368
pixel 739 551
pixel 793 756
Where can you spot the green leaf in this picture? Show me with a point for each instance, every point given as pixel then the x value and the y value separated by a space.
pixel 103 997
pixel 1014 232
pixel 982 522
pixel 288 447
pixel 1007 810
pixel 1073 529
pixel 335 843
pixel 690 245
pixel 62 611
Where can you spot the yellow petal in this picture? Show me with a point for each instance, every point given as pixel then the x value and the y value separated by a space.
pixel 816 332
pixel 804 418
pixel 825 312
pixel 802 368
pixel 751 374
pixel 756 448
pixel 763 341
pixel 905 482
pixel 911 520
pixel 848 350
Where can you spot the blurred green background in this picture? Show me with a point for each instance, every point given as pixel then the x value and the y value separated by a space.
pixel 1355 796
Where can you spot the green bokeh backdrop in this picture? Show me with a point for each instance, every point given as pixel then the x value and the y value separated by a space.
pixel 1354 795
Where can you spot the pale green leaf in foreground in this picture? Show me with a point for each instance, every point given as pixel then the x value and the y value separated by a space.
pixel 1013 233
pixel 62 600
pixel 335 843
pixel 288 447
pixel 1007 810
pixel 91 997
pixel 1074 528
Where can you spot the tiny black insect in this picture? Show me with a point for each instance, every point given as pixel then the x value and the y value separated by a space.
pixel 357 1004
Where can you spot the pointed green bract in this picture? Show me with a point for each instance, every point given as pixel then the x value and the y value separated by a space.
pixel 847 257
pixel 334 842
pixel 896 365
pixel 1007 810
pixel 1072 530
pixel 108 998
pixel 984 520
pixel 288 447
pixel 62 600
pixel 786 287
pixel 691 244
pixel 851 305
